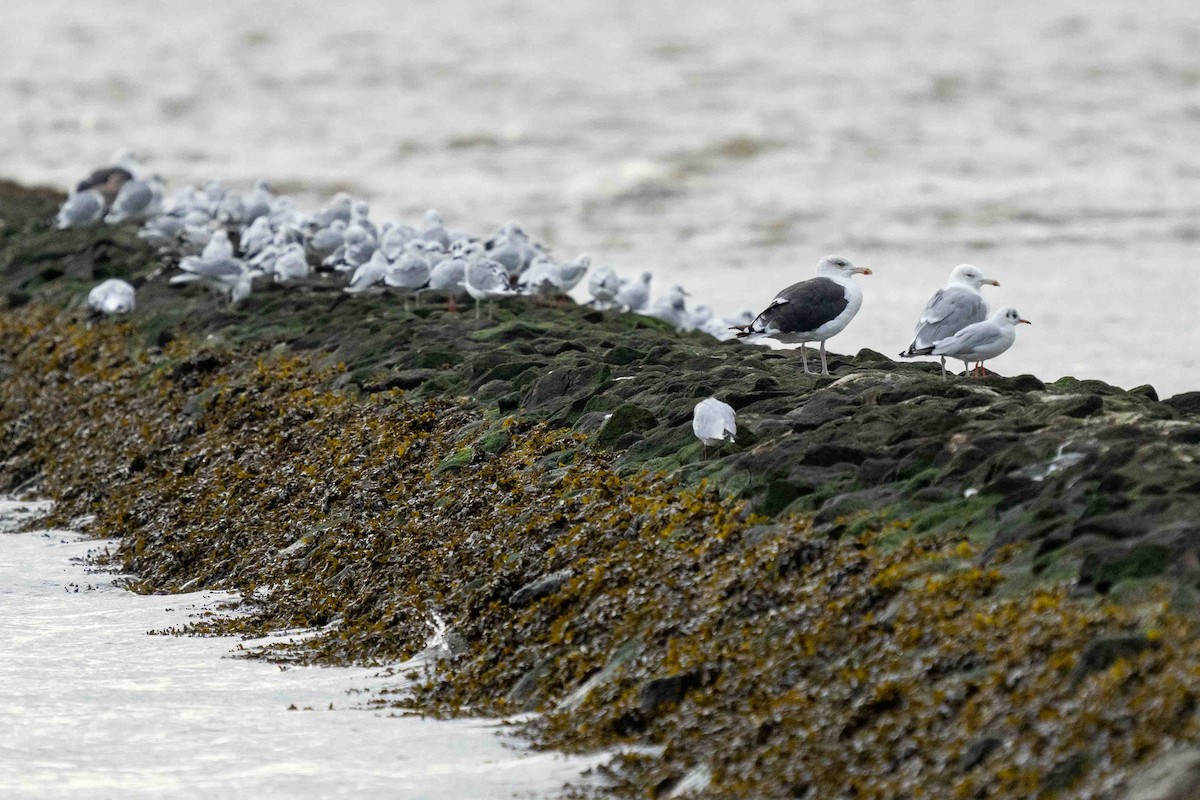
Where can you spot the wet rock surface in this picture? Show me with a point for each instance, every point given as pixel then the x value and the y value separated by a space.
pixel 886 583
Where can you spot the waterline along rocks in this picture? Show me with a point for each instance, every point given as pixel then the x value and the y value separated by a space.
pixel 889 586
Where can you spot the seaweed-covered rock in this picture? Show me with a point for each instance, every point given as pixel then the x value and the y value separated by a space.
pixel 883 558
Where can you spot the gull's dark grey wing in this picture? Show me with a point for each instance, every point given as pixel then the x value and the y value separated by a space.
pixel 801 308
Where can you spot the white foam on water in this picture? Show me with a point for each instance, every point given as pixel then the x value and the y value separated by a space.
pixel 93 707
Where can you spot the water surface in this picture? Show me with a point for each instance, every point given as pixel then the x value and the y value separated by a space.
pixel 93 707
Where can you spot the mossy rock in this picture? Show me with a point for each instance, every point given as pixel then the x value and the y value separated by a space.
pixel 625 419
pixel 456 460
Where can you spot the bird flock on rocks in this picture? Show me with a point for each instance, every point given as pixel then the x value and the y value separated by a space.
pixel 228 240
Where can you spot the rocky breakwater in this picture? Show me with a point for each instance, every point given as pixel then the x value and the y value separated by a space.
pixel 891 586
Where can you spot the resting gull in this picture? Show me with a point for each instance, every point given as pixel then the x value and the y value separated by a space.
pixel 291 264
pixel 486 278
pixel 603 286
pixel 109 180
pixel 80 210
pixel 811 310
pixel 113 296
pixel 951 309
pixel 714 423
pixel 634 295
pixel 981 341
pixel 136 200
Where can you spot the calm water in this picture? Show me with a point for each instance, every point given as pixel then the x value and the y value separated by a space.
pixel 93 707
pixel 724 145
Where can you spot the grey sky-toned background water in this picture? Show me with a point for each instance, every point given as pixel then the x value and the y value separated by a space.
pixel 723 145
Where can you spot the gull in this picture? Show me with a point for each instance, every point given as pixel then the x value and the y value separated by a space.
pixel 109 180
pixel 394 238
pixel 327 240
pixel 543 277
pixel 980 341
pixel 672 308
pixel 811 310
pixel 951 309
pixel 572 272
pixel 603 286
pixel 434 230
pixel 512 249
pixel 80 210
pixel 291 264
pixel 218 246
pixel 714 423
pixel 136 200
pixel 221 273
pixel 486 278
pixel 113 296
pixel 256 238
pixel 411 272
pixel 634 295
pixel 369 274
pixel 338 210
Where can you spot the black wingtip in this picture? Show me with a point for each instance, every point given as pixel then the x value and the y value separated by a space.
pixel 912 352
pixel 742 331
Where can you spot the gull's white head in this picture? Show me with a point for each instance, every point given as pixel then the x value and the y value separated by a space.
pixel 1009 316
pixel 837 266
pixel 970 275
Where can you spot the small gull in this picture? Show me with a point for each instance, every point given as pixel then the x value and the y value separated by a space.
pixel 369 274
pixel 113 296
pixel 672 308
pixel 327 240
pixel 136 200
pixel 634 295
pixel 714 423
pixel 394 238
pixel 603 286
pixel 80 210
pixel 221 273
pixel 256 238
pixel 218 247
pixel 486 278
pixel 338 210
pixel 813 310
pixel 434 230
pixel 951 309
pixel 109 180
pixel 291 264
pixel 981 341
pixel 411 272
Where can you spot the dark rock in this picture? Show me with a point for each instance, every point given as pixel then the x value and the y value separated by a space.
pixel 659 692
pixel 827 455
pixel 528 689
pixel 1078 407
pixel 622 355
pixel 1068 772
pixel 670 690
pixel 822 408
pixel 542 587
pixel 1145 390
pixel 564 385
pixel 493 389
pixel 405 379
pixel 1017 383
pixel 1102 652
pixel 1187 403
pixel 977 751
pixel 624 420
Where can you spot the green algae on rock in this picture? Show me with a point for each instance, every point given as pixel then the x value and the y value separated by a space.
pixel 892 586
